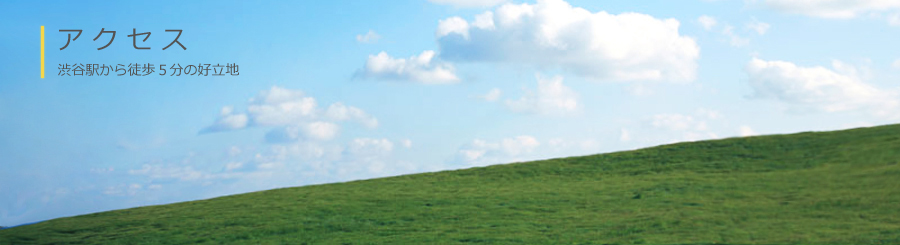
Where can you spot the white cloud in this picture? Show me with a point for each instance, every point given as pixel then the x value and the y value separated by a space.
pixel 227 121
pixel 192 169
pixel 708 22
pixel 836 9
pixel 369 37
pixel 521 148
pixel 818 88
pixel 492 95
pixel 746 131
pixel 468 3
pixel 303 134
pixel 422 68
pixel 371 156
pixel 551 98
pixel 369 146
pixel 481 152
pixel 484 21
pixel 552 34
pixel 759 27
pixel 896 64
pixel 305 131
pixel 341 112
pixel 359 158
pixel 307 149
pixel 279 106
pixel 453 25
pixel 293 114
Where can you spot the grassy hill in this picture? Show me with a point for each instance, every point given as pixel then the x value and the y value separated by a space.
pixel 839 187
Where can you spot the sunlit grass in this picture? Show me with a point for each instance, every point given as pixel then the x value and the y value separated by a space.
pixel 829 188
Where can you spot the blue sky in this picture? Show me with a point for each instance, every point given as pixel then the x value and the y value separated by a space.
pixel 337 90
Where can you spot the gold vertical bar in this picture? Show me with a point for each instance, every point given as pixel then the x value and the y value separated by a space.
pixel 42 51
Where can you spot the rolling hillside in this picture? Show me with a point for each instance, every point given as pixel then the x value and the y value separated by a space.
pixel 839 187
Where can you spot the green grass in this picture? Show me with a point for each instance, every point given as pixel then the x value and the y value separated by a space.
pixel 839 187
